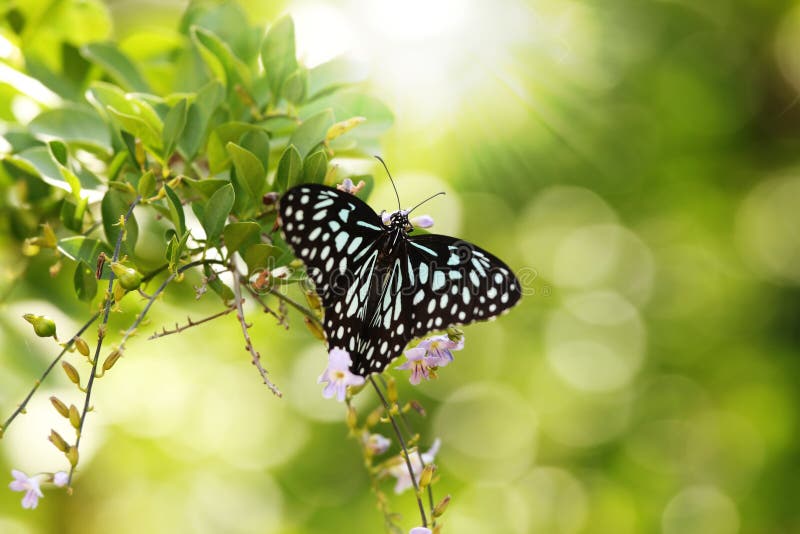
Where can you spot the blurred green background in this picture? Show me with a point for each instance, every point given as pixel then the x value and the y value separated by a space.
pixel 636 162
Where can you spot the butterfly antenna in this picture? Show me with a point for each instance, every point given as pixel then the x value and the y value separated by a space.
pixel 391 180
pixel 424 201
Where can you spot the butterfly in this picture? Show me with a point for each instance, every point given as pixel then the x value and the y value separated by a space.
pixel 380 286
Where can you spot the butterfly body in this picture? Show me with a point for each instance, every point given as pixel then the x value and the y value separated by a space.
pixel 379 285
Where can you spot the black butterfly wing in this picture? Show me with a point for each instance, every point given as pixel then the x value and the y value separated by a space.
pixel 456 283
pixel 337 236
pixel 430 283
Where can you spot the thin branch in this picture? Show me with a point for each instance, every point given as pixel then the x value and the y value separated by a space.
pixel 139 318
pixel 237 292
pixel 296 305
pixel 189 324
pixel 278 317
pixel 409 433
pixel 101 334
pixel 67 346
pixel 405 451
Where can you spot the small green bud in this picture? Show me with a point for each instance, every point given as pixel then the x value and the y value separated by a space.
pixel 426 476
pixel 56 439
pixel 42 324
pixel 59 406
pixel 352 418
pixel 82 346
pixel 391 390
pixel 71 373
pixel 129 278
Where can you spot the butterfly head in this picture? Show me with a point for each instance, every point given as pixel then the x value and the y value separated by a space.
pixel 399 221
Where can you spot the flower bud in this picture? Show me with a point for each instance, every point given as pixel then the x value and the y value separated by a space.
pixel 71 373
pixel 377 444
pixel 129 278
pixel 56 439
pixel 426 476
pixel 82 346
pixel 440 508
pixel 42 324
pixel 111 359
pixel 60 479
pixel 72 456
pixel 74 416
pixel 60 407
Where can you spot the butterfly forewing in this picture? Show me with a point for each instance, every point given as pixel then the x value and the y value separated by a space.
pixel 381 288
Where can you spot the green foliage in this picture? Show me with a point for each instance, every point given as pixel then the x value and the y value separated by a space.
pixel 241 119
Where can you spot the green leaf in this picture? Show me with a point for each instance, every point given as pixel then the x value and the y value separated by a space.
pixel 197 118
pixel 175 250
pixel 312 132
pixel 315 167
pixel 333 74
pixel 174 123
pixel 218 156
pixel 249 171
pixel 296 86
pixel 346 105
pixel 139 128
pixel 84 281
pixel 73 125
pixel 257 256
pixel 147 185
pixel 58 151
pixel 80 248
pixel 240 233
pixel 175 210
pixel 114 206
pixel 257 142
pixel 38 161
pixel 278 54
pixel 206 186
pixel 289 168
pixel 117 65
pixel 219 58
pixel 72 212
pixel 216 212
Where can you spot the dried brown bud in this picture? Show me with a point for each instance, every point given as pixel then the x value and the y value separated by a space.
pixel 440 508
pixel 314 328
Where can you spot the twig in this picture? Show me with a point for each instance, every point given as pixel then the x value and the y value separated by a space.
pixel 237 293
pixel 296 305
pixel 409 434
pixel 281 318
pixel 405 451
pixel 139 318
pixel 67 346
pixel 101 334
pixel 180 328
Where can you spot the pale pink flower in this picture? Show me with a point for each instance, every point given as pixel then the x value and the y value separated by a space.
pixel 30 485
pixel 400 470
pixel 60 479
pixel 338 375
pixel 420 530
pixel 417 364
pixel 421 221
pixel 439 349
